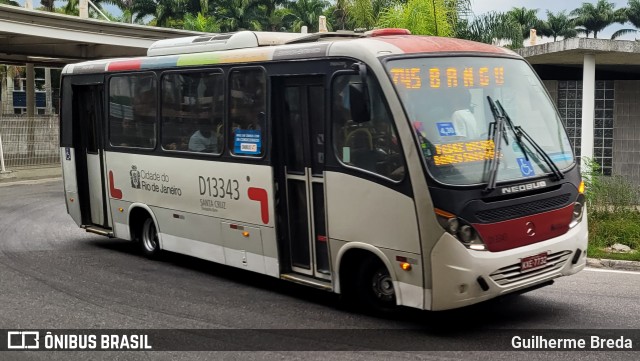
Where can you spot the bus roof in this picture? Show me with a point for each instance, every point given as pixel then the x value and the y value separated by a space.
pixel 248 46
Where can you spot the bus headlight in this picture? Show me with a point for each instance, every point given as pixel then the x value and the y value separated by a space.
pixel 461 230
pixel 578 211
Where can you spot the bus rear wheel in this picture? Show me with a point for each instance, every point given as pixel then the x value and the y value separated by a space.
pixel 149 242
pixel 375 286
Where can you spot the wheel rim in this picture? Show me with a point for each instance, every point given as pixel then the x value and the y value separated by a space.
pixel 149 236
pixel 382 286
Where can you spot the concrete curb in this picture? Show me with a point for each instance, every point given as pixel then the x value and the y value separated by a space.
pixel 613 264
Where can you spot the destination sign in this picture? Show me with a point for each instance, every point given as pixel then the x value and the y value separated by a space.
pixel 464 152
pixel 451 77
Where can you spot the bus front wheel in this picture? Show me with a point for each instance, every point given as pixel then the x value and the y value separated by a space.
pixel 375 286
pixel 149 238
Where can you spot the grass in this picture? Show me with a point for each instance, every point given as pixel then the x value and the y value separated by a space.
pixel 609 228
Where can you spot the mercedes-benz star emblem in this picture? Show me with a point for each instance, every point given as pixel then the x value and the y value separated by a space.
pixel 531 229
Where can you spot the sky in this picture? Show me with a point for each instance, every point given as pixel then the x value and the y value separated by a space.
pixel 484 6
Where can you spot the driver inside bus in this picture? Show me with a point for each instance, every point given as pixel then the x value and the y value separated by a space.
pixel 462 118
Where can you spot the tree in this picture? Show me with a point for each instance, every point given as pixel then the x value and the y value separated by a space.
pixel 9 2
pixel 424 17
pixel 559 24
pixel 594 18
pixel 239 15
pixel 493 28
pixel 306 13
pixel 526 19
pixel 632 13
pixel 200 22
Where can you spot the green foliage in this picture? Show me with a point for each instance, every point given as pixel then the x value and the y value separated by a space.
pixel 201 22
pixel 594 18
pixel 559 24
pixel 609 228
pixel 612 211
pixel 9 2
pixel 493 28
pixel 423 17
pixel 526 19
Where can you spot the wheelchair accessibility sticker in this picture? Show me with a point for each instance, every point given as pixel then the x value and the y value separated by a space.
pixel 525 167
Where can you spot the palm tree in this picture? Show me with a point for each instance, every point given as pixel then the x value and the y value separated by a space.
pixel 526 19
pixel 633 16
pixel 425 17
pixel 594 18
pixel 200 22
pixel 48 5
pixel 306 13
pixel 493 28
pixel 239 15
pixel 559 25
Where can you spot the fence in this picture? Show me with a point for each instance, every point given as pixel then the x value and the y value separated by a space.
pixel 28 142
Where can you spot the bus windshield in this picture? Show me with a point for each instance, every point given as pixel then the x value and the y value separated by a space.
pixel 449 102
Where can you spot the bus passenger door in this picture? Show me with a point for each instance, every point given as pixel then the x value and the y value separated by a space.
pixel 299 126
pixel 88 126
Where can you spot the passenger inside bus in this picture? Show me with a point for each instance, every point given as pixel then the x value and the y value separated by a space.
pixel 204 139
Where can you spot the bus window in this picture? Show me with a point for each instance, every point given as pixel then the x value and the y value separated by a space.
pixel 192 112
pixel 132 111
pixel 372 146
pixel 247 111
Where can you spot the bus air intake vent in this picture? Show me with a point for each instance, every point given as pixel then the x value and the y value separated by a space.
pixel 511 274
pixel 523 209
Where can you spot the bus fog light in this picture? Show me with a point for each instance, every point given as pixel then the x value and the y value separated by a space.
pixel 466 233
pixel 452 225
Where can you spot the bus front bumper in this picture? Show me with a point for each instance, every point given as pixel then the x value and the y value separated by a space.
pixel 462 277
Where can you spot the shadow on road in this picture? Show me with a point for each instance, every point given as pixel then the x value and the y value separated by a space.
pixel 507 312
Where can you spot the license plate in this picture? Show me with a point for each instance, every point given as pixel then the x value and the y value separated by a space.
pixel 533 262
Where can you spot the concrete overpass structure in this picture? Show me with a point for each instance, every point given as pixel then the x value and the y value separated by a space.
pixel 50 39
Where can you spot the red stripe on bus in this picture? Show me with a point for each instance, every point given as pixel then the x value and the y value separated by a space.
pixel 115 192
pixel 125 65
pixel 514 233
pixel 433 44
pixel 260 195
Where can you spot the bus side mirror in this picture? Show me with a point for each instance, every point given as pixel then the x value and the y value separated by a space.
pixel 359 102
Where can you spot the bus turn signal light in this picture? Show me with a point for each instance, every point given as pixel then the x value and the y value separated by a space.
pixel 245 234
pixel 581 188
pixel 405 266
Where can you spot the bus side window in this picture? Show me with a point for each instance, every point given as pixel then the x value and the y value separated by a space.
pixel 192 112
pixel 371 146
pixel 132 111
pixel 247 111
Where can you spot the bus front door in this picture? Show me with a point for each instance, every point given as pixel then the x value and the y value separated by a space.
pixel 300 125
pixel 87 120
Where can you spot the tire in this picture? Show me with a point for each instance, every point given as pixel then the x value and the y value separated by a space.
pixel 148 236
pixel 374 287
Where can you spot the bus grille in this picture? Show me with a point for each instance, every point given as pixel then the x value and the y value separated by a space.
pixel 524 209
pixel 510 274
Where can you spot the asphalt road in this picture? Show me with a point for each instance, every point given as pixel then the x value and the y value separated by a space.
pixel 53 275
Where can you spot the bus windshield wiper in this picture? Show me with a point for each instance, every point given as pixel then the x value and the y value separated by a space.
pixel 521 133
pixel 496 133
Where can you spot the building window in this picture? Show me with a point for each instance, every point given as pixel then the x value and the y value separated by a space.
pixel 570 107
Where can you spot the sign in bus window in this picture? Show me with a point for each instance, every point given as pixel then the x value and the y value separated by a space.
pixel 463 152
pixel 449 77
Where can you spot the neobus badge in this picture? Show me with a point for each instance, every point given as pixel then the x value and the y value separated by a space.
pixel 524 187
